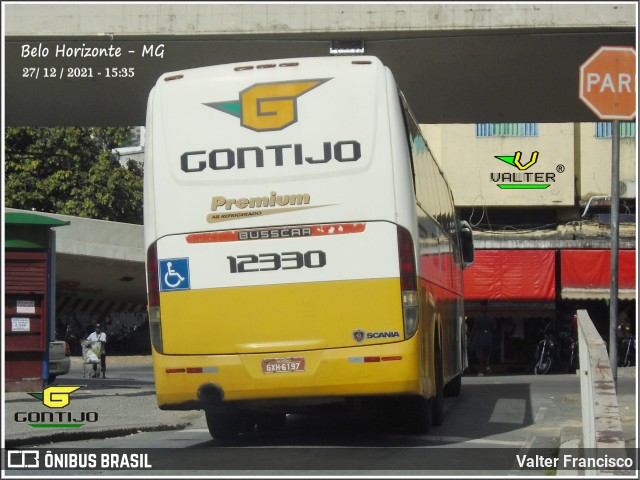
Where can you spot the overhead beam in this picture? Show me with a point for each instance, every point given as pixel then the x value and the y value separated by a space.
pixel 461 79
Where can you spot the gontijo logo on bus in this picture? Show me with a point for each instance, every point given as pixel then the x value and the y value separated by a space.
pixel 268 106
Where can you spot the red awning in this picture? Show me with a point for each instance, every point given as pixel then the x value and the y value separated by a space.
pixel 511 275
pixel 586 274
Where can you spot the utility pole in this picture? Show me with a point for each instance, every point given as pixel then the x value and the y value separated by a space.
pixel 608 88
pixel 613 295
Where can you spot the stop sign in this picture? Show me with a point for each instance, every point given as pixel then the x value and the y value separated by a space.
pixel 608 83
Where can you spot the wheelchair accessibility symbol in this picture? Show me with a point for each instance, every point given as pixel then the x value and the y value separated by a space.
pixel 174 274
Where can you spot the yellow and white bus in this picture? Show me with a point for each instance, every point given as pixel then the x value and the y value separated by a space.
pixel 302 245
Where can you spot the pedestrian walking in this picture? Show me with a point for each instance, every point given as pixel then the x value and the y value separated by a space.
pixel 100 337
pixel 481 341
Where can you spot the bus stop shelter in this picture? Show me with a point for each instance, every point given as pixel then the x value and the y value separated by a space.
pixel 29 296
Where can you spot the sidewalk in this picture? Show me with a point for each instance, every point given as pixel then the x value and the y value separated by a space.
pixel 627 406
pixel 571 437
pixel 122 407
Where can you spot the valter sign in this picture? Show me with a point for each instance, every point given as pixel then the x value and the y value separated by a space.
pixel 608 83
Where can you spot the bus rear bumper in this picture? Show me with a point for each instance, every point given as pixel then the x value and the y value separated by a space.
pixel 209 381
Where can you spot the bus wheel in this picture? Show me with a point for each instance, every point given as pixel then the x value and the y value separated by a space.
pixel 223 426
pixel 271 422
pixel 453 388
pixel 437 402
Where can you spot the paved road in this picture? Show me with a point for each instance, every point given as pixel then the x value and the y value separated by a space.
pixel 493 419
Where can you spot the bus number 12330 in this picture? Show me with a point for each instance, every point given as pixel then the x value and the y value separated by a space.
pixel 276 261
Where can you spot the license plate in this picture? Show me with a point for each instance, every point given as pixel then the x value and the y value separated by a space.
pixel 283 365
pixel 53 366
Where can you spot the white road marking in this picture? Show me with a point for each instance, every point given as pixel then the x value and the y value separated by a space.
pixel 540 415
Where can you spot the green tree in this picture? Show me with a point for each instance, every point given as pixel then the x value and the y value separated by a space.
pixel 71 171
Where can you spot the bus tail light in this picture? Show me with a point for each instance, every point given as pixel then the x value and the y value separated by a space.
pixel 408 282
pixel 153 287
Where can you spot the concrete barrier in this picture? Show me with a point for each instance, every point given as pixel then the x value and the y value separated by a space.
pixel 601 425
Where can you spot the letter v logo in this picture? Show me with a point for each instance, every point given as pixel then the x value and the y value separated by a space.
pixel 515 160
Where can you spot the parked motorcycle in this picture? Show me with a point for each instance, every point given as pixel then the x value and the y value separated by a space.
pixel 627 354
pixel 552 348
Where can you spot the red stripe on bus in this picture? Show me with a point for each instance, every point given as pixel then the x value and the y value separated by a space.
pixel 316 231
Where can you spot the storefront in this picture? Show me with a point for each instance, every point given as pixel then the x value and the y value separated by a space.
pixel 537 287
pixel 585 283
pixel 520 287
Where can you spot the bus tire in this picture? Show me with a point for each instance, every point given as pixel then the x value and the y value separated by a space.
pixel 437 402
pixel 223 426
pixel 453 388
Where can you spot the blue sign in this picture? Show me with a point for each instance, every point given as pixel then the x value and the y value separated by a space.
pixel 174 274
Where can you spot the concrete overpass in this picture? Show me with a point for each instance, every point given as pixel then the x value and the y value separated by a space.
pixel 100 274
pixel 99 260
pixel 456 63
